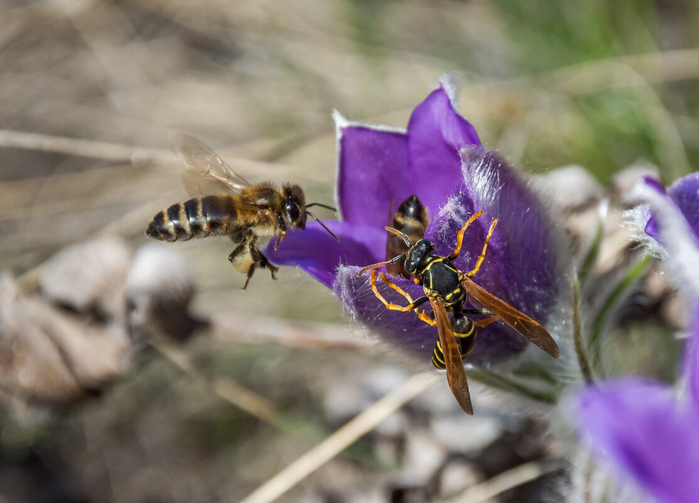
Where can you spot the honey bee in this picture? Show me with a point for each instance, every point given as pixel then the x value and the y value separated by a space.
pixel 411 220
pixel 230 206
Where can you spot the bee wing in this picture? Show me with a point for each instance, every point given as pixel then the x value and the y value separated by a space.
pixel 456 375
pixel 523 324
pixel 206 173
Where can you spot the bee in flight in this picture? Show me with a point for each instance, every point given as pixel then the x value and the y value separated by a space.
pixel 230 206
pixel 447 289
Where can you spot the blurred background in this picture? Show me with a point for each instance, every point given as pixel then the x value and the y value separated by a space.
pixel 140 372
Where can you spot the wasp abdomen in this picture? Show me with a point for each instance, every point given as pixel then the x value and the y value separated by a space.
pixel 197 218
pixel 464 331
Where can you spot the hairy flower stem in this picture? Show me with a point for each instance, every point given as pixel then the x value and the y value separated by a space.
pixel 610 302
pixel 592 253
pixel 504 383
pixel 577 335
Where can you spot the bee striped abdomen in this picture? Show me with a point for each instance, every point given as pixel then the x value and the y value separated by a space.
pixel 195 218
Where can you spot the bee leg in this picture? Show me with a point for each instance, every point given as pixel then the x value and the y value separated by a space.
pixel 237 251
pixel 481 257
pixel 251 271
pixel 282 232
pixel 265 264
pixel 249 245
pixel 259 259
pixel 280 237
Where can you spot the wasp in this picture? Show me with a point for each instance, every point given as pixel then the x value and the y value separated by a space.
pixel 410 219
pixel 232 207
pixel 447 289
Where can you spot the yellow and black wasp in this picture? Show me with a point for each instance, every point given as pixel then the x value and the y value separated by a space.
pixel 447 289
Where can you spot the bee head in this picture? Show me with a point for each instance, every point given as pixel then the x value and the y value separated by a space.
pixel 294 206
pixel 417 254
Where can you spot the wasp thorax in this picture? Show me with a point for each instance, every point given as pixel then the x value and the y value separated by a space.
pixel 294 206
pixel 417 254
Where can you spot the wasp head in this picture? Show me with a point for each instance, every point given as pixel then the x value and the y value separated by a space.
pixel 294 206
pixel 417 254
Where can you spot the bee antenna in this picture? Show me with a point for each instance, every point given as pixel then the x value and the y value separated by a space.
pixel 398 233
pixel 323 225
pixel 322 206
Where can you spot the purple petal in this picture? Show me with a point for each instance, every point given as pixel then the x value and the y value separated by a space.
pixel 676 242
pixel 436 134
pixel 316 252
pixel 405 330
pixel 521 264
pixel 371 172
pixel 654 183
pixel 685 192
pixel 692 361
pixel 648 435
pixel 651 228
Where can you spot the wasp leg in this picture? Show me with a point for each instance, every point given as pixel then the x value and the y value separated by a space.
pixel 429 319
pixel 395 307
pixel 481 257
pixel 460 235
pixel 485 322
pixel 389 305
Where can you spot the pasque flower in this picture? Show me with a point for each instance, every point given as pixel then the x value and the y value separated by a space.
pixel 667 222
pixel 650 433
pixel 440 159
pixel 684 195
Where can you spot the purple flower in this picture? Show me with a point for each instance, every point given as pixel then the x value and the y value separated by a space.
pixel 440 159
pixel 649 434
pixel 684 194
pixel 668 224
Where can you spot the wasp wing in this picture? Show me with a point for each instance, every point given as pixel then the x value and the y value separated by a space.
pixel 456 375
pixel 206 173
pixel 523 324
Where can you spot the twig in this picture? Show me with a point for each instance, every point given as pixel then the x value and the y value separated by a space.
pixel 340 440
pixel 610 73
pixel 226 388
pixel 117 152
pixel 82 148
pixel 505 481
pixel 263 330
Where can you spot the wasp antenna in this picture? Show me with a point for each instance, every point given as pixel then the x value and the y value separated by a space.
pixel 398 233
pixel 322 206
pixel 323 225
pixel 395 259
